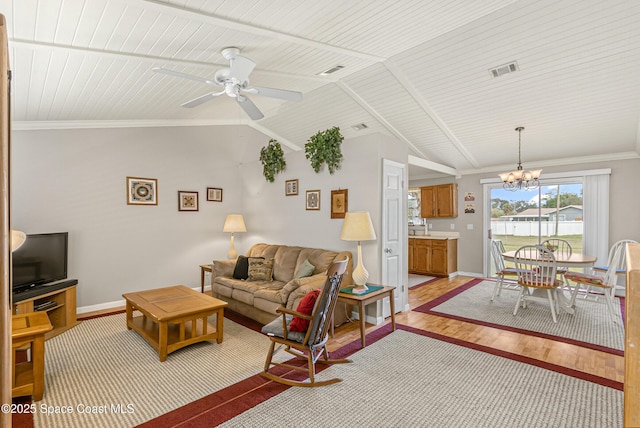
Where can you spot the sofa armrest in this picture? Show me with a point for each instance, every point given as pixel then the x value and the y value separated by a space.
pixel 295 289
pixel 222 268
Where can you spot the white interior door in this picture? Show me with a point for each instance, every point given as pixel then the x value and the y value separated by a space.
pixel 394 226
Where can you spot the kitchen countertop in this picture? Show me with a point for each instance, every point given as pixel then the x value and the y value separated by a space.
pixel 437 235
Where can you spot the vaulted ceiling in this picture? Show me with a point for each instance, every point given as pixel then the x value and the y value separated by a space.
pixel 418 71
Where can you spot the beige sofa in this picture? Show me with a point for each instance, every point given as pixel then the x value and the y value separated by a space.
pixel 259 299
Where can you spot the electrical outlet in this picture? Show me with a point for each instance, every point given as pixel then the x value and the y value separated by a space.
pixel 469 227
pixel 453 226
pixel 430 226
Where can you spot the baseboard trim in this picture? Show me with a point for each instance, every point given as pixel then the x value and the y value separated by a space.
pixel 116 304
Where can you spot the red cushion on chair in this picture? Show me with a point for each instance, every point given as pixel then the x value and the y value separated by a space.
pixel 304 307
pixel 584 278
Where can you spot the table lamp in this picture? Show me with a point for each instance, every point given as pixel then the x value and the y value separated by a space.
pixel 233 223
pixel 357 226
pixel 17 239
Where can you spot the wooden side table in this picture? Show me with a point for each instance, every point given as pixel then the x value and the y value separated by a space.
pixel 28 330
pixel 363 300
pixel 203 269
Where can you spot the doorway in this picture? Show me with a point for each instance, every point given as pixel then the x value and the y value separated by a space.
pixel 394 236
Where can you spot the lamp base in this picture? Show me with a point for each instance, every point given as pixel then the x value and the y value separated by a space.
pixel 359 289
pixel 232 254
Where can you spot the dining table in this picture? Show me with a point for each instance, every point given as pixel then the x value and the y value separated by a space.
pixel 575 260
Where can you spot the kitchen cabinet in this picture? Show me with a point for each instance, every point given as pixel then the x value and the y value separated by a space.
pixel 437 257
pixel 439 201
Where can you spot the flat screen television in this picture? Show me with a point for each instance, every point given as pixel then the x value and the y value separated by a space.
pixel 42 259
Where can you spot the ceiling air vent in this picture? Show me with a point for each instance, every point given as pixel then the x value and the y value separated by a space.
pixel 359 126
pixel 330 71
pixel 504 69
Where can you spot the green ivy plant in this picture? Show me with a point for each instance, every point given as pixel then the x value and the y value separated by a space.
pixel 324 147
pixel 272 158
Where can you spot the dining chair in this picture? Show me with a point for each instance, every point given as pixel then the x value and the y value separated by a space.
pixel 536 267
pixel 561 249
pixel 607 282
pixel 621 268
pixel 497 249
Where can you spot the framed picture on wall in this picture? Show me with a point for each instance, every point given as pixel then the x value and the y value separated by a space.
pixel 214 194
pixel 291 187
pixel 339 203
pixel 313 200
pixel 142 191
pixel 187 201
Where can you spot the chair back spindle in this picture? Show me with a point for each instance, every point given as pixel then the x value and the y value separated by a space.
pixel 326 303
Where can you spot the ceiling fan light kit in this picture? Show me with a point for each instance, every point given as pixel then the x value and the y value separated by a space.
pixel 521 179
pixel 234 80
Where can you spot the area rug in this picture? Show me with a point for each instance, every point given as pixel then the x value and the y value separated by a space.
pixel 406 379
pixel 100 374
pixel 590 327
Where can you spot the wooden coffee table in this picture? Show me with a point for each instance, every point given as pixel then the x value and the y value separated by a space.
pixel 174 317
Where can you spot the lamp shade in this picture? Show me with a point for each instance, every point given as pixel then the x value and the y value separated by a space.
pixel 234 223
pixel 357 226
pixel 17 239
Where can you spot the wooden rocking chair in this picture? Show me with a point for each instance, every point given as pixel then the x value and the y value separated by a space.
pixel 309 345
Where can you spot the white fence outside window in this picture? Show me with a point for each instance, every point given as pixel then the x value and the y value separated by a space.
pixel 530 228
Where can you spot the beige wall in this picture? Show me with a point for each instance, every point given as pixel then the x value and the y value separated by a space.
pixel 74 181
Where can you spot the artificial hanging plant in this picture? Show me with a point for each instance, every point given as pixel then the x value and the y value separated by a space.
pixel 324 147
pixel 272 158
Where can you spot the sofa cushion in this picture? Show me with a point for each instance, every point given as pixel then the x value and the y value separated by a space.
pixel 265 305
pixel 285 262
pixel 255 286
pixel 321 259
pixel 242 296
pixel 260 269
pixel 273 294
pixel 223 268
pixel 306 269
pixel 263 250
pixel 305 307
pixel 222 289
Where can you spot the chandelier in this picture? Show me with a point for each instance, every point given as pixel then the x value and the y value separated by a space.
pixel 520 179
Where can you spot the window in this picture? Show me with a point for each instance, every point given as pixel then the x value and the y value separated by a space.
pixel 565 207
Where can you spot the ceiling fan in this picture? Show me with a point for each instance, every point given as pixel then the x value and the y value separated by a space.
pixel 235 81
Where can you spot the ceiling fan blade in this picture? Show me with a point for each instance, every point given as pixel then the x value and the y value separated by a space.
pixel 282 94
pixel 241 67
pixel 250 108
pixel 183 75
pixel 201 99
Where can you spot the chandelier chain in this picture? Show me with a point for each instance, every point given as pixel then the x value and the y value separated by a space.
pixel 520 179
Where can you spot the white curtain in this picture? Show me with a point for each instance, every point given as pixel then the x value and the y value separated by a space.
pixel 596 216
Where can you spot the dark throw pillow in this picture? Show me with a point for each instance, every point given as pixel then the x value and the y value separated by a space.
pixel 304 307
pixel 241 271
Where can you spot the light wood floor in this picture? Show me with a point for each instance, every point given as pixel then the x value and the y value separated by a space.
pixel 563 354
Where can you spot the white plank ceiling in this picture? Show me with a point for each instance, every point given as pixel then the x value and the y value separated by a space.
pixel 416 70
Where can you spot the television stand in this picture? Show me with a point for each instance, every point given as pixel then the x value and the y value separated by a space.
pixel 58 301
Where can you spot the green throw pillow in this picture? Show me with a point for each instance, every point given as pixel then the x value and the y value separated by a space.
pixel 306 269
